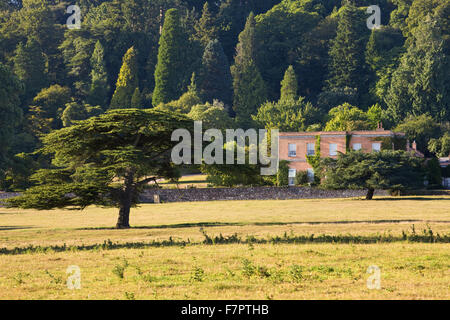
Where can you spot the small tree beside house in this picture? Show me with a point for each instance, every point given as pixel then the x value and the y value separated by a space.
pixel 388 170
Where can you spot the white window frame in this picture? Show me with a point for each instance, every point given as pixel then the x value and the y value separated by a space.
pixel 378 148
pixel 291 177
pixel 310 174
pixel 357 146
pixel 333 152
pixel 292 153
pixel 310 152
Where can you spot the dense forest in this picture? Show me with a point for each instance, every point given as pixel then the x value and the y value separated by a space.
pixel 296 65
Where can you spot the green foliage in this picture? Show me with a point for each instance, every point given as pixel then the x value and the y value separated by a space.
pixel 99 91
pixel 206 27
pixel 249 93
pixel 347 65
pixel 105 160
pixel 136 99
pixel 16 176
pixel 249 87
pixel 216 81
pixel 301 178
pixel 75 112
pixel 171 74
pixel 314 160
pixel 393 170
pixel 184 104
pixel 383 53
pixel 10 112
pixel 127 81
pixel 441 146
pixel 433 171
pixel 280 32
pixel 348 118
pixel 288 115
pixel 419 128
pixel 283 174
pixel 289 85
pixel 212 115
pixel 420 84
pixel 29 67
pixel 48 106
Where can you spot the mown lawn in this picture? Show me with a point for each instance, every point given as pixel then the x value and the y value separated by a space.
pixel 278 270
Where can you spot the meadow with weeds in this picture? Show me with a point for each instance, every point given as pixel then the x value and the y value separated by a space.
pixel 293 249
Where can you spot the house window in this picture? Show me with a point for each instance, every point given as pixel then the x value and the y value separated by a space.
pixel 357 146
pixel 376 146
pixel 292 150
pixel 291 177
pixel 310 149
pixel 310 175
pixel 333 149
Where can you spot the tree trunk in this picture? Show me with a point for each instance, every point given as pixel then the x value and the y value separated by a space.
pixel 123 222
pixel 369 194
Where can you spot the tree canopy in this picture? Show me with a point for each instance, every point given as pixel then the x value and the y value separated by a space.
pixel 392 170
pixel 103 162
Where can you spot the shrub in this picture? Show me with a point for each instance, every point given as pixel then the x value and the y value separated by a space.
pixel 301 178
pixel 283 174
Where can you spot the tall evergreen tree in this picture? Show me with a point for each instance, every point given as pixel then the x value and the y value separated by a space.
pixel 10 112
pixel 171 74
pixel 289 85
pixel 421 83
pixel 99 77
pixel 248 84
pixel 216 81
pixel 347 61
pixel 136 99
pixel 127 81
pixel 206 28
pixel 246 49
pixel 29 66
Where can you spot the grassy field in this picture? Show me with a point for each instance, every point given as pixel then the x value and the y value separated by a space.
pixel 246 270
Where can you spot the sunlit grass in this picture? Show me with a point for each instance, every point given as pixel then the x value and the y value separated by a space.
pixel 291 271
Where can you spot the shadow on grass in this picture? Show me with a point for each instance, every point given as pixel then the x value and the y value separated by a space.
pixel 4 228
pixel 419 198
pixel 427 237
pixel 241 224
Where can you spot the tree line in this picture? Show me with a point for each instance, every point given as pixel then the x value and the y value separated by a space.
pixel 296 65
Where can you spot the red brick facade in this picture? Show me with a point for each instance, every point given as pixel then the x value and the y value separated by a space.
pixel 334 141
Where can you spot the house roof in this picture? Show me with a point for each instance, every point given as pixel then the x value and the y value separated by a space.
pixel 344 133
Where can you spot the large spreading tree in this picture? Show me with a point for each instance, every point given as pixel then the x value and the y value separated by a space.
pixel 106 160
pixel 387 169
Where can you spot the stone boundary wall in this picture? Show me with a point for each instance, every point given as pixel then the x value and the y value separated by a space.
pixel 249 193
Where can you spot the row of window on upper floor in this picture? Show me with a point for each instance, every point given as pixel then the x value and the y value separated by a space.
pixel 310 148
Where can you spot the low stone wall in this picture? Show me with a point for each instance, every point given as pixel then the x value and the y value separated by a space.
pixel 6 195
pixel 250 193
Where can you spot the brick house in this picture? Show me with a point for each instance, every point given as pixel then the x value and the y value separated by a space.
pixel 296 146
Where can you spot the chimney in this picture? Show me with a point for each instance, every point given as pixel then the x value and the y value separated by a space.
pixel 414 145
pixel 380 126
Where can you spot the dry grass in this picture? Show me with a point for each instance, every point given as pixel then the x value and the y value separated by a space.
pixel 409 270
